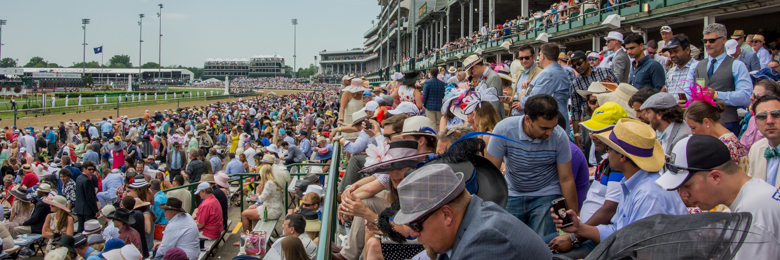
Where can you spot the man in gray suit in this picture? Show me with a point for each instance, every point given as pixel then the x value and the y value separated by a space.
pixel 457 225
pixel 748 57
pixel 666 118
pixel 619 61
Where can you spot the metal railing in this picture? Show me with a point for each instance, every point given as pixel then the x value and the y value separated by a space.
pixel 329 207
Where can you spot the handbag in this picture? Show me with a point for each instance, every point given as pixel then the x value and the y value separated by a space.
pixel 158 231
pixel 255 243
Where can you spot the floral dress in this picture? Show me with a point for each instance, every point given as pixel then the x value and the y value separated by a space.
pixel 739 153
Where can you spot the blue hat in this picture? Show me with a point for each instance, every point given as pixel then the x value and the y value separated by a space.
pixel 113 243
pixel 282 132
pixel 105 156
pixel 325 153
pixel 367 93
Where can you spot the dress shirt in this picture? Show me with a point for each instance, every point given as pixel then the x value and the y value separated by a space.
pixel 306 147
pixel 131 236
pixel 91 156
pixel 742 82
pixel 641 199
pixel 764 57
pixel 771 169
pixel 181 232
pixel 432 94
pixel 234 166
pixel 582 82
pixel 93 132
pixel 105 128
pixel 647 72
pixel 111 182
pixel 523 77
pixel 175 159
pixel 550 82
pixel 216 163
pixel 676 78
pixel 360 144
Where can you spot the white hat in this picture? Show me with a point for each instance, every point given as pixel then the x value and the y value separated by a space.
pixel 371 106
pixel 613 35
pixel 130 252
pixel 405 107
pixel 271 148
pixel 314 188
pixel 731 46
pixel 666 28
pixel 202 186
pixel 377 99
pixel 418 125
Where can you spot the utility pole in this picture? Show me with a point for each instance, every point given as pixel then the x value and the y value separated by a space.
pixel 84 23
pixel 295 45
pixel 159 54
pixel 140 43
pixel 2 22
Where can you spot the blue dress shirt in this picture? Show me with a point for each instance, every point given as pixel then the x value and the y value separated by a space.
pixel 763 57
pixel 641 199
pixel 647 72
pixel 550 82
pixel 306 147
pixel 111 182
pixel 771 169
pixel 743 85
pixel 234 166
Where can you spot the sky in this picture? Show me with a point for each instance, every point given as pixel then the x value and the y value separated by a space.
pixel 193 30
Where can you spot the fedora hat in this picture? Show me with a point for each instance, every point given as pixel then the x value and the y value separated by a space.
pixel 269 159
pixel 452 70
pixel 594 88
pixel 621 95
pixel 402 154
pixel 123 215
pixel 91 226
pixel 470 61
pixel 418 125
pixel 481 178
pixel 140 204
pixel 636 140
pixel 207 178
pixel 20 193
pixel 173 204
pixel 44 187
pixel 58 201
pixel 738 34
pixel 503 72
pixel 26 168
pixel 358 117
pixel 221 179
pixel 426 190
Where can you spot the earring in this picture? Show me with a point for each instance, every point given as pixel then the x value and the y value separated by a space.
pixel 708 126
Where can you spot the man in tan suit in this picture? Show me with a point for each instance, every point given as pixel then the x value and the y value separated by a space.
pixel 524 67
pixel 764 156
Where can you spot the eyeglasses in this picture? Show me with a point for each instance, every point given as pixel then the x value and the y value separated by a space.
pixel 711 41
pixel 89 169
pixel 416 226
pixel 763 115
pixel 524 58
pixel 389 136
pixel 593 102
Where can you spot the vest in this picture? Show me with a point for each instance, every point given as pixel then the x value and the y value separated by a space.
pixel 722 80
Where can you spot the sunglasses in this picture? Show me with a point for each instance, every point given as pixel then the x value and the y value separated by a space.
pixel 563 60
pixel 593 59
pixel 711 41
pixel 307 204
pixel 524 58
pixel 676 169
pixel 389 136
pixel 593 101
pixel 577 64
pixel 90 169
pixel 416 226
pixel 755 96
pixel 763 115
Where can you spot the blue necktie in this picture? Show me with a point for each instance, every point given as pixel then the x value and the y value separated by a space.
pixel 444 257
pixel 712 68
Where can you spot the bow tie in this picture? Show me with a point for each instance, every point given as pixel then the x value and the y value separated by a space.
pixel 770 153
pixel 523 71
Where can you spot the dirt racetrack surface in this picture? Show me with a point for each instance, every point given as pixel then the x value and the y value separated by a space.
pixel 96 116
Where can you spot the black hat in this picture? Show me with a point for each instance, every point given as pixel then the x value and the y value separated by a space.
pixel 67 242
pixel 692 154
pixel 482 178
pixel 410 77
pixel 576 55
pixel 79 240
pixel 173 204
pixel 123 215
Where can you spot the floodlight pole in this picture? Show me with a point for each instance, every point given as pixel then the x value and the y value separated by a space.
pixel 84 23
pixel 2 22
pixel 159 52
pixel 295 45
pixel 140 44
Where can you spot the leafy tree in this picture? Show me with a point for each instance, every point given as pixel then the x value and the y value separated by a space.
pixel 149 65
pixel 120 61
pixel 87 79
pixel 307 72
pixel 35 61
pixel 7 63
pixel 53 65
pixel 90 65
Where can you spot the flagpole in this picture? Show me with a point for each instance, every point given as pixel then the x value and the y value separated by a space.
pixel 102 65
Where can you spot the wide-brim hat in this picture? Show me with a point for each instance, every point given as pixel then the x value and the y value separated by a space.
pixel 58 201
pixel 470 61
pixel 138 183
pixel 621 95
pixel 324 154
pixel 207 178
pixel 268 159
pixel 122 215
pixel 636 140
pixel 403 153
pixel 20 193
pixel 594 88
pixel 410 77
pixel 44 187
pixel 482 178
pixel 504 73
pixel 140 204
pixel 313 225
pixel 221 179
pixel 418 125
pixel 173 204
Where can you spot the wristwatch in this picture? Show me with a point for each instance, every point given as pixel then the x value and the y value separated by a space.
pixel 574 242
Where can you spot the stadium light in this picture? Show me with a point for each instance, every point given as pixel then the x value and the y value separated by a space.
pixel 140 43
pixel 84 23
pixel 295 45
pixel 2 22
pixel 159 51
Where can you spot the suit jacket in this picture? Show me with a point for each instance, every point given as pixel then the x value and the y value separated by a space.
pixel 621 65
pixel 85 196
pixel 757 166
pixel 482 233
pixel 38 217
pixel 750 59
pixel 494 81
pixel 679 131
pixel 183 159
pixel 515 69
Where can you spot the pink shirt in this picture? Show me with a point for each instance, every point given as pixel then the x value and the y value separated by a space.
pixel 751 134
pixel 210 213
pixel 119 159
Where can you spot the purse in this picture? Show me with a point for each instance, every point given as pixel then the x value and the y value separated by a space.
pixel 255 243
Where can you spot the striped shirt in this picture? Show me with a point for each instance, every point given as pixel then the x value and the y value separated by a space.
pixel 531 169
pixel 582 83
pixel 676 78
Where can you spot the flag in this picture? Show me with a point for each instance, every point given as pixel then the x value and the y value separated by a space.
pixel 99 50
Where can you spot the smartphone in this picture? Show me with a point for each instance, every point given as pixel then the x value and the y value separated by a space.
pixel 682 96
pixel 369 125
pixel 560 207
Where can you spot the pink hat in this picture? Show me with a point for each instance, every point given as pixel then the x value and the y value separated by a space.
pixel 221 179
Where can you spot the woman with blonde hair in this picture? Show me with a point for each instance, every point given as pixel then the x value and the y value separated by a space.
pixel 234 136
pixel 269 196
pixel 59 222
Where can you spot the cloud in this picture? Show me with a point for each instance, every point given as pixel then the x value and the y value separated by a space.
pixel 174 16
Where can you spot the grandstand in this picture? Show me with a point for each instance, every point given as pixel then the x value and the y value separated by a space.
pixel 256 66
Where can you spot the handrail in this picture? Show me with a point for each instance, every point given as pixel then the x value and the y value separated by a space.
pixel 192 192
pixel 247 175
pixel 328 227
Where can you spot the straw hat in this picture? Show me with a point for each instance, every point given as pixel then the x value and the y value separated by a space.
pixel 269 159
pixel 621 95
pixel 636 140
pixel 58 201
pixel 470 61
pixel 503 72
pixel 594 88
pixel 140 204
